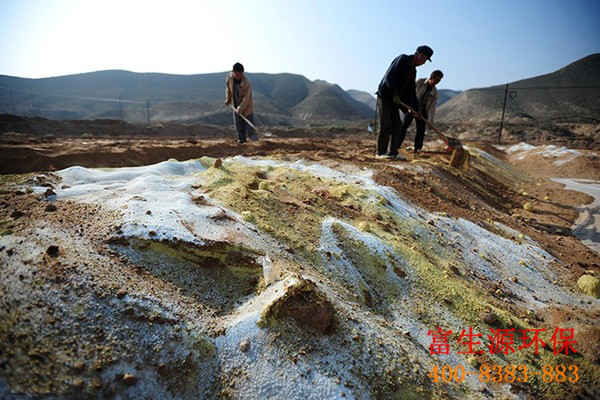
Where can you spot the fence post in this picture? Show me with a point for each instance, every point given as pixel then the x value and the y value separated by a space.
pixel 503 110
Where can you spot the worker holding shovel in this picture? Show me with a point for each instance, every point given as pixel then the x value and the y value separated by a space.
pixel 238 95
pixel 397 85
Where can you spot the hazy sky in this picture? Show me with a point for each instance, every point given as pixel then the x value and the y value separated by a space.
pixel 476 43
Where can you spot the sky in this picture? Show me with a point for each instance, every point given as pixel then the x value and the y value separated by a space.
pixel 476 43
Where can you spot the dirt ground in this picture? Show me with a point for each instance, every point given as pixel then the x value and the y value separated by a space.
pixel 550 223
pixel 470 195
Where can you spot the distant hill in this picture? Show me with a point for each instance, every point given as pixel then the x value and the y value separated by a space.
pixel 364 97
pixel 282 99
pixel 445 95
pixel 371 100
pixel 571 94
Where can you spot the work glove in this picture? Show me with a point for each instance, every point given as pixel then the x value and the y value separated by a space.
pixel 396 100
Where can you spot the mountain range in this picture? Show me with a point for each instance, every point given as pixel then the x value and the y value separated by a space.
pixel 570 94
pixel 280 99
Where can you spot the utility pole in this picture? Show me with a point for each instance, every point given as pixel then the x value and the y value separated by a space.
pixel 148 110
pixel 503 110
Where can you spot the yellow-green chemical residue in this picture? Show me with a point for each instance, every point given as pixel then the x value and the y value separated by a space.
pixel 10 180
pixel 217 274
pixel 6 226
pixel 291 204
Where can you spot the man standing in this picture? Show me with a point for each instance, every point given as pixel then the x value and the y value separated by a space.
pixel 427 96
pixel 398 84
pixel 239 92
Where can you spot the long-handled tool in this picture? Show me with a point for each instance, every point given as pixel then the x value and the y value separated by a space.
pixel 460 156
pixel 267 134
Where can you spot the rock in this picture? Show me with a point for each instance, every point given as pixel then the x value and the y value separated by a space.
pixel 148 212
pixel 79 365
pixel 472 361
pixel 364 226
pixel 490 318
pixel 129 379
pixel 121 293
pixel 78 383
pixel 218 162
pixel 50 207
pixel 546 198
pixel 247 216
pixel 264 185
pixel 49 192
pixel 52 251
pixel 308 307
pixel 528 207
pixel 515 279
pixel 244 345
pixel 454 269
pixel 17 214
pixel 589 285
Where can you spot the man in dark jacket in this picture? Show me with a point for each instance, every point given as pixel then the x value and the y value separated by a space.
pixel 398 84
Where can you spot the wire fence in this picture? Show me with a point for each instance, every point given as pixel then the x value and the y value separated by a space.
pixel 511 99
pixel 556 105
pixel 25 102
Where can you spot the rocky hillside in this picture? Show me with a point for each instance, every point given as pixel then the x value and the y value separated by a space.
pixel 571 94
pixel 446 95
pixel 363 97
pixel 136 97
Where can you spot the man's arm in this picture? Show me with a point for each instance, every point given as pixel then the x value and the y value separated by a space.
pixel 431 114
pixel 228 94
pixel 396 72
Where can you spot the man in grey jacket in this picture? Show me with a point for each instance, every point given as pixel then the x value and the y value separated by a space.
pixel 398 84
pixel 427 96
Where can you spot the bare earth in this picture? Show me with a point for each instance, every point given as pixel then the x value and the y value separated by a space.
pixel 472 195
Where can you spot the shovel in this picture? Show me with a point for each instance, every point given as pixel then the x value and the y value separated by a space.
pixel 460 157
pixel 267 134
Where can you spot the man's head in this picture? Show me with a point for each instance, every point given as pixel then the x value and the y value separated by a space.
pixel 422 54
pixel 435 77
pixel 238 71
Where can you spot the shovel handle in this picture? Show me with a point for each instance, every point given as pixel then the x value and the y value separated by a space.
pixel 244 118
pixel 430 124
